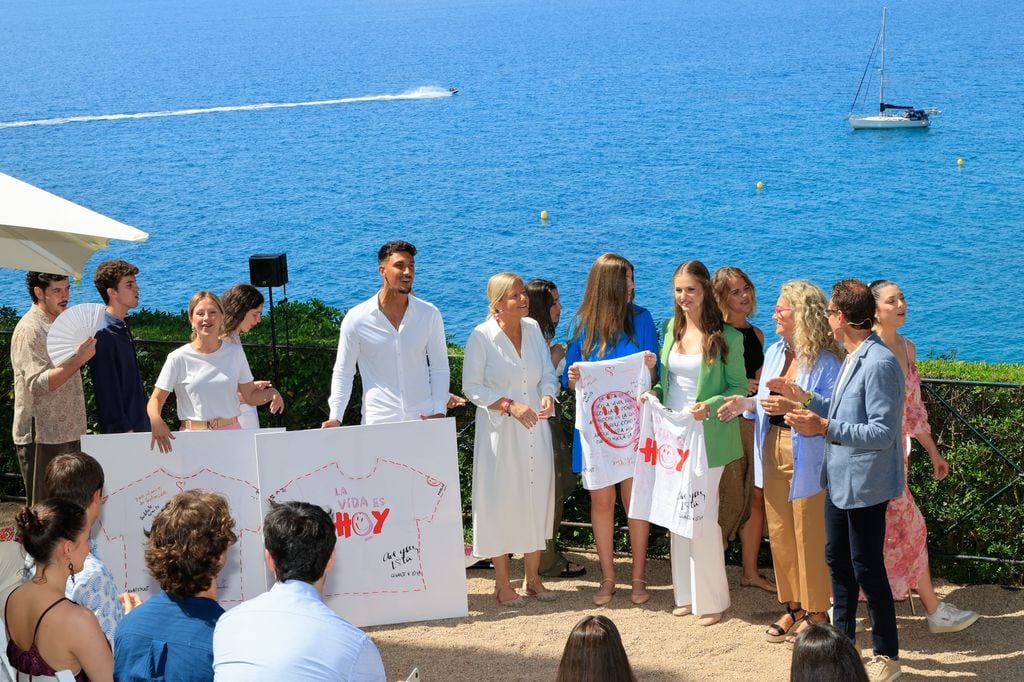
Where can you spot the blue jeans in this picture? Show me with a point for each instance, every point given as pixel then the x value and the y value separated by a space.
pixel 855 539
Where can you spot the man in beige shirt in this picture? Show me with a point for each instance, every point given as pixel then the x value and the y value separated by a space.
pixel 49 404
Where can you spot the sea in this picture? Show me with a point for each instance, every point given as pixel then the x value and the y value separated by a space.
pixel 323 128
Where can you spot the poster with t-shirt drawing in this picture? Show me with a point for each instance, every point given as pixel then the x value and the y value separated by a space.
pixel 140 481
pixel 670 478
pixel 608 417
pixel 392 491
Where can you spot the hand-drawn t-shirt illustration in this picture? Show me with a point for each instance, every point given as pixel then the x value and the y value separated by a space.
pixel 670 483
pixel 608 417
pixel 377 518
pixel 141 500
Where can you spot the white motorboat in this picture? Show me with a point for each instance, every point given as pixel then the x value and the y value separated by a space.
pixel 889 115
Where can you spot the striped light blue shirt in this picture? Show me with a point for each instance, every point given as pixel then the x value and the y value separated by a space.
pixel 289 633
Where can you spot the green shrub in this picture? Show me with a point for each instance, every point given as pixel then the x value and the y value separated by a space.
pixel 307 338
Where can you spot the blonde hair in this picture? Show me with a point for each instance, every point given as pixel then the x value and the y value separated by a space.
pixel 604 313
pixel 720 285
pixel 811 333
pixel 196 299
pixel 498 287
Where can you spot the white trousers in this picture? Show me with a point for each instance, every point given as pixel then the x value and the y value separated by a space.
pixel 698 566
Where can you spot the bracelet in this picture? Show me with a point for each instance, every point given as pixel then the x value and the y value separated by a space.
pixel 807 403
pixel 505 407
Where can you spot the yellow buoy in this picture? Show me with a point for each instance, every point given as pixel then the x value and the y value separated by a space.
pixel 760 185
pixel 543 215
pixel 959 162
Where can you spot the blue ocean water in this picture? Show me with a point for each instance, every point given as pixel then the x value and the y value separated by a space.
pixel 641 127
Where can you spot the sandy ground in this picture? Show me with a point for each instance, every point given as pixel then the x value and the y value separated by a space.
pixel 525 643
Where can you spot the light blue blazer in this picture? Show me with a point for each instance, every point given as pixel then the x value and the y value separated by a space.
pixel 864 449
pixel 808 451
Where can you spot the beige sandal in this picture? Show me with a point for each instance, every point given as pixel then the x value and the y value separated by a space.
pixel 642 597
pixel 534 588
pixel 602 599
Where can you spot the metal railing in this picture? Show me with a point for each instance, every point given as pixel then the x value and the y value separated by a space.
pixel 931 389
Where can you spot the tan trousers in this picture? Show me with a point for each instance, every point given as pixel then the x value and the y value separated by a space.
pixel 796 529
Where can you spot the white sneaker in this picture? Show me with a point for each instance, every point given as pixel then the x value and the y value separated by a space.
pixel 882 669
pixel 948 618
pixel 861 623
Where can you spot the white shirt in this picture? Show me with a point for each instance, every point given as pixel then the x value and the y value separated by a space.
pixel 404 371
pixel 205 384
pixel 608 417
pixel 289 634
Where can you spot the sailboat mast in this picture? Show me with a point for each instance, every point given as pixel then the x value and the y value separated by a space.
pixel 881 73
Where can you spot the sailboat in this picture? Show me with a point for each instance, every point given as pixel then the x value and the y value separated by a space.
pixel 889 115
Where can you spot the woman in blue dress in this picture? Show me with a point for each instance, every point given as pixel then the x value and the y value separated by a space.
pixel 607 326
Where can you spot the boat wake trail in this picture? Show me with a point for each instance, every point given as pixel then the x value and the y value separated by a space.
pixel 424 92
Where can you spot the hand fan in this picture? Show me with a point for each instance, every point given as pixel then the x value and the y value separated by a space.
pixel 71 328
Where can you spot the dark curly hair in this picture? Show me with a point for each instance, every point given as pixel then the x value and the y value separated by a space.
pixel 109 274
pixel 187 542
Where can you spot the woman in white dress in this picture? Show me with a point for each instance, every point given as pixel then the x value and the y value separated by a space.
pixel 507 374
pixel 243 310
pixel 206 376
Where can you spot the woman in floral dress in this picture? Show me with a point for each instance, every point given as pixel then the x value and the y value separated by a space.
pixel 906 537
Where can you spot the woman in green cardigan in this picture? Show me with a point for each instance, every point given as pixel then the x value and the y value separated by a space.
pixel 703 358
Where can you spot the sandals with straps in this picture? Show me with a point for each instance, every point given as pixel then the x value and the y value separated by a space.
pixel 776 634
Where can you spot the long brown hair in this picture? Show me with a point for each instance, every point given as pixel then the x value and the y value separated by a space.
pixel 594 653
pixel 710 322
pixel 604 314
pixel 539 291
pixel 720 282
pixel 237 302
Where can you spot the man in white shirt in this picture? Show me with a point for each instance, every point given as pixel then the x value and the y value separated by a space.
pixel 289 633
pixel 397 341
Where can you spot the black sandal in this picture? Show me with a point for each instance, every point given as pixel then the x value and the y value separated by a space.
pixel 804 622
pixel 776 634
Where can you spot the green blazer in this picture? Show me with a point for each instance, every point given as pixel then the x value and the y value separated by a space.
pixel 715 381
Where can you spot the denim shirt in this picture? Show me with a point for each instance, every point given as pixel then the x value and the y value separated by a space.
pixel 808 451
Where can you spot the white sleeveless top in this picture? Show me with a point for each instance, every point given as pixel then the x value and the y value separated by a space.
pixel 683 371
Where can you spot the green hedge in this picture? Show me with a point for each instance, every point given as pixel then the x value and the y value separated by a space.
pixel 996 530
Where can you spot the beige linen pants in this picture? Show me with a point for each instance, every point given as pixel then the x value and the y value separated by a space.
pixel 796 529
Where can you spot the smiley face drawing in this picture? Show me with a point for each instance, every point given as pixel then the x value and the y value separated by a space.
pixel 616 417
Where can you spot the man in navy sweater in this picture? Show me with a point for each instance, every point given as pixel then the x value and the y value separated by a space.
pixel 120 396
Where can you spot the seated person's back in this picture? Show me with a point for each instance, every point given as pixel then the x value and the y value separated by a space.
pixel 170 636
pixel 289 633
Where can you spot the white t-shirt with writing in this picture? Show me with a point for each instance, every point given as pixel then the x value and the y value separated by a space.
pixel 205 384
pixel 129 510
pixel 608 417
pixel 670 483
pixel 377 519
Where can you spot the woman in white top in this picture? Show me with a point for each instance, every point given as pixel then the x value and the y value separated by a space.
pixel 243 310
pixel 507 373
pixel 206 376
pixel 703 360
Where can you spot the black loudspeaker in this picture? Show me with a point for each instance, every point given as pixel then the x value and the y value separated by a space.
pixel 268 269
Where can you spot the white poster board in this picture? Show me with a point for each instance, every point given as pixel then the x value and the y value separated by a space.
pixel 393 493
pixel 140 481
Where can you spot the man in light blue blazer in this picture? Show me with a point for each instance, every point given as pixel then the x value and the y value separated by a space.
pixel 863 469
